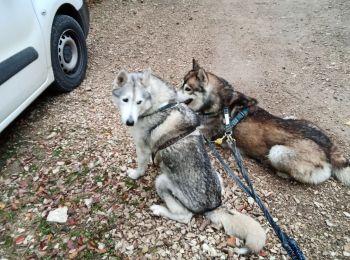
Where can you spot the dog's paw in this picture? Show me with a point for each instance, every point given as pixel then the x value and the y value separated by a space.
pixel 133 174
pixel 158 210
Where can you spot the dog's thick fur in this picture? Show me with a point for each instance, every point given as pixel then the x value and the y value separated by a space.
pixel 297 148
pixel 187 184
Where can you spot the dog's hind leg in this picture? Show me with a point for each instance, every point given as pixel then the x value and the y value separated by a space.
pixel 305 166
pixel 174 209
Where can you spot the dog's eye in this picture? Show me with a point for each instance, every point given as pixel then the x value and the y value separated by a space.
pixel 125 100
pixel 139 102
pixel 187 89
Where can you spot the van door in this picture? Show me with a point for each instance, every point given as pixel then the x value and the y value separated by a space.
pixel 23 67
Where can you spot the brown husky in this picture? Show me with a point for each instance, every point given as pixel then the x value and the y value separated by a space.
pixel 297 148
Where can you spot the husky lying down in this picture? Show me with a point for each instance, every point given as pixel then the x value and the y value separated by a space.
pixel 167 131
pixel 297 148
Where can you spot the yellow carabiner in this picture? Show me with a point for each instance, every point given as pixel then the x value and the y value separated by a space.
pixel 219 140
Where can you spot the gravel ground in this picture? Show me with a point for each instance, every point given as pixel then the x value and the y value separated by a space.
pixel 71 150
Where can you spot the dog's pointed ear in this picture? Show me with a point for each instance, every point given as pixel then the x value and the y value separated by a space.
pixel 121 79
pixel 195 65
pixel 146 76
pixel 202 76
pixel 234 98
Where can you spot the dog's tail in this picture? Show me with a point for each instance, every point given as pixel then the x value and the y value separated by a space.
pixel 241 226
pixel 340 166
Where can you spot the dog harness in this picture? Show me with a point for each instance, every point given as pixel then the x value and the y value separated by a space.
pixel 231 123
pixel 172 141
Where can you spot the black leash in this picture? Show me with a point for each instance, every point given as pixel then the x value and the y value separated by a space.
pixel 289 244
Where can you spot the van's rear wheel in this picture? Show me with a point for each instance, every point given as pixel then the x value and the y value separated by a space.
pixel 68 53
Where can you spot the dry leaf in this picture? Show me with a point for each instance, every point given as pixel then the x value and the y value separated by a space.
pixel 73 255
pixel 19 240
pixel 80 241
pixel 92 245
pixel 72 221
pixel 41 189
pixel 2 205
pixel 231 241
pixel 49 237
pixel 102 250
pixel 263 253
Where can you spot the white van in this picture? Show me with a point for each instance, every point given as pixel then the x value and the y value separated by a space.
pixel 42 43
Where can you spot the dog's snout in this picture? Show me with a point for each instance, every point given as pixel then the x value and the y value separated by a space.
pixel 130 122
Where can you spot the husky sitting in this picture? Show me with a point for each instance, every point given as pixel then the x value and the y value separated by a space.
pixel 297 148
pixel 165 130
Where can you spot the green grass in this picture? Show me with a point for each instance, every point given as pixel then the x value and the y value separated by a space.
pixel 57 152
pixel 45 228
pixel 7 216
pixel 8 241
pixel 87 254
pixel 131 184
pixel 33 168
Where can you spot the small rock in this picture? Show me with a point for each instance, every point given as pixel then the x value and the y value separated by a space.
pixel 330 224
pixel 101 246
pixel 317 204
pixel 347 248
pixel 296 199
pixel 56 170
pixel 58 215
pixel 123 168
pixel 52 135
pixel 250 200
pixel 88 202
pixel 210 250
pixel 346 214
pixel 20 230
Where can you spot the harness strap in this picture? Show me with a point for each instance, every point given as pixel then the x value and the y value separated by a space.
pixel 172 141
pixel 169 105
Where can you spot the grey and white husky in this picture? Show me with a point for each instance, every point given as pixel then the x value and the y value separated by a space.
pixel 166 130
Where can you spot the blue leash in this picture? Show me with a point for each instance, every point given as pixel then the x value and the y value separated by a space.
pixel 289 244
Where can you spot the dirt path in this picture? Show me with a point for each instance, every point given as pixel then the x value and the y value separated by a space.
pixel 71 149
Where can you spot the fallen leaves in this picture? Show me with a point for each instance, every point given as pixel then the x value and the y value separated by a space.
pixel 75 252
pixel 231 241
pixel 263 253
pixel 20 239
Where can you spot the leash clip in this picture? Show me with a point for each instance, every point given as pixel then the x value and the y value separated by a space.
pixel 229 138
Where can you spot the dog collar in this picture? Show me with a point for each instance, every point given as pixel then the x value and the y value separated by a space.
pixel 231 123
pixel 162 108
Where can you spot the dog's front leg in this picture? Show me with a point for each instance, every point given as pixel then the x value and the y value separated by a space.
pixel 143 153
